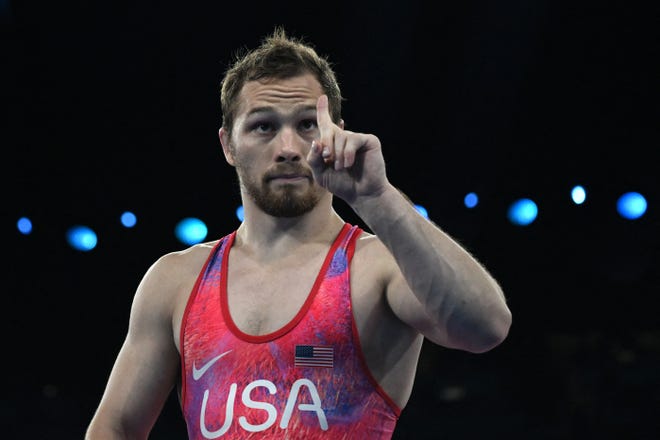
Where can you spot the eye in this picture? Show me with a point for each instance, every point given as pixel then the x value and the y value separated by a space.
pixel 308 125
pixel 262 127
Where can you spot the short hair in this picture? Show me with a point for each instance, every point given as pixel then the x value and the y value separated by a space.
pixel 278 57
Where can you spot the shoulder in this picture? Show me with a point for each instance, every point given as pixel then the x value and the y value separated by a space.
pixel 369 245
pixel 177 264
pixel 373 258
pixel 171 277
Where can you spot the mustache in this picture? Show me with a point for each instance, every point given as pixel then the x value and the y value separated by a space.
pixel 289 169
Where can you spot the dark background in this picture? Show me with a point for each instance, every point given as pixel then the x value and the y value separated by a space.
pixel 112 106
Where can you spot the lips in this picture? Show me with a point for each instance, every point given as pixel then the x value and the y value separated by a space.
pixel 288 175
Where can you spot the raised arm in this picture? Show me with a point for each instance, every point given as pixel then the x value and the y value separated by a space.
pixel 463 306
pixel 146 368
pixel 435 286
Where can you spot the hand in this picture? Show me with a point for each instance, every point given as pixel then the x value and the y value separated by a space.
pixel 349 165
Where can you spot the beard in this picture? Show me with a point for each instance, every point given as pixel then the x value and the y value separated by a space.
pixel 286 200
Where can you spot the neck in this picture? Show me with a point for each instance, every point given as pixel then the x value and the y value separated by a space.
pixel 272 234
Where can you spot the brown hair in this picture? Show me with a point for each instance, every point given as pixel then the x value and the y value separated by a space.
pixel 278 57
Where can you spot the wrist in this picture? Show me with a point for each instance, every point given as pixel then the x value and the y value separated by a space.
pixel 388 201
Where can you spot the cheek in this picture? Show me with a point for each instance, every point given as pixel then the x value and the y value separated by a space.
pixel 254 156
pixel 246 165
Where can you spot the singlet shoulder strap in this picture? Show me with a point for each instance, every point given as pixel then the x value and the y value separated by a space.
pixel 350 235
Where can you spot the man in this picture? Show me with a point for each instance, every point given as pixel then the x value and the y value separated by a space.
pixel 297 325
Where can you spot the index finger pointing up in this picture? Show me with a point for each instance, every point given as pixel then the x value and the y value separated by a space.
pixel 323 118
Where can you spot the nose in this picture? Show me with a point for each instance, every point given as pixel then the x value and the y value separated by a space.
pixel 290 146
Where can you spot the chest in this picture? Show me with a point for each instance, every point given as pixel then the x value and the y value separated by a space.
pixel 263 298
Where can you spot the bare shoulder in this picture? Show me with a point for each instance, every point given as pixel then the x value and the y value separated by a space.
pixel 175 266
pixel 373 267
pixel 371 252
pixel 367 242
pixel 171 277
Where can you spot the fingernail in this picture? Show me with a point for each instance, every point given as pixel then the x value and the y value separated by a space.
pixel 326 152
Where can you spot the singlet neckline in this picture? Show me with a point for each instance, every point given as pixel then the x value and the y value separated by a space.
pixel 224 297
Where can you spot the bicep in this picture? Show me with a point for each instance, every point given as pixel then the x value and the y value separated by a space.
pixel 139 384
pixel 145 370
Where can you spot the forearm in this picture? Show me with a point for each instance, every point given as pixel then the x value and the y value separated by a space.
pixel 455 289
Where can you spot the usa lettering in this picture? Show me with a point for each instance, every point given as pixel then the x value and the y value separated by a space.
pixel 270 409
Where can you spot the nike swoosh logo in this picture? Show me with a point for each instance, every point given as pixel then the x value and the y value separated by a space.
pixel 197 373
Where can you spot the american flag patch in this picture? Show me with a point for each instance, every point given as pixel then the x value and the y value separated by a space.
pixel 314 356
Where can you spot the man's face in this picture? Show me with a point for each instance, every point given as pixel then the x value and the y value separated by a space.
pixel 272 134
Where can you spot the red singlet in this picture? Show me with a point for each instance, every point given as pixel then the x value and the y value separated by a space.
pixel 308 380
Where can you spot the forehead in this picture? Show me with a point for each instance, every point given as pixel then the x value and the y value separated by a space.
pixel 284 94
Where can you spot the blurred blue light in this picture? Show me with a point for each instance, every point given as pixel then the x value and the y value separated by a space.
pixel 471 200
pixel 190 231
pixel 81 238
pixel 578 194
pixel 631 205
pixel 239 213
pixel 24 225
pixel 128 219
pixel 522 212
pixel 422 211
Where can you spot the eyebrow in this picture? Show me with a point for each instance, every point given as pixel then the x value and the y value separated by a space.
pixel 269 109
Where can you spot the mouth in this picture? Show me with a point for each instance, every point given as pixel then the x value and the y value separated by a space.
pixel 289 176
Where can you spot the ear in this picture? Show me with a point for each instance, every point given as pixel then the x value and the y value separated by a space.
pixel 226 148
